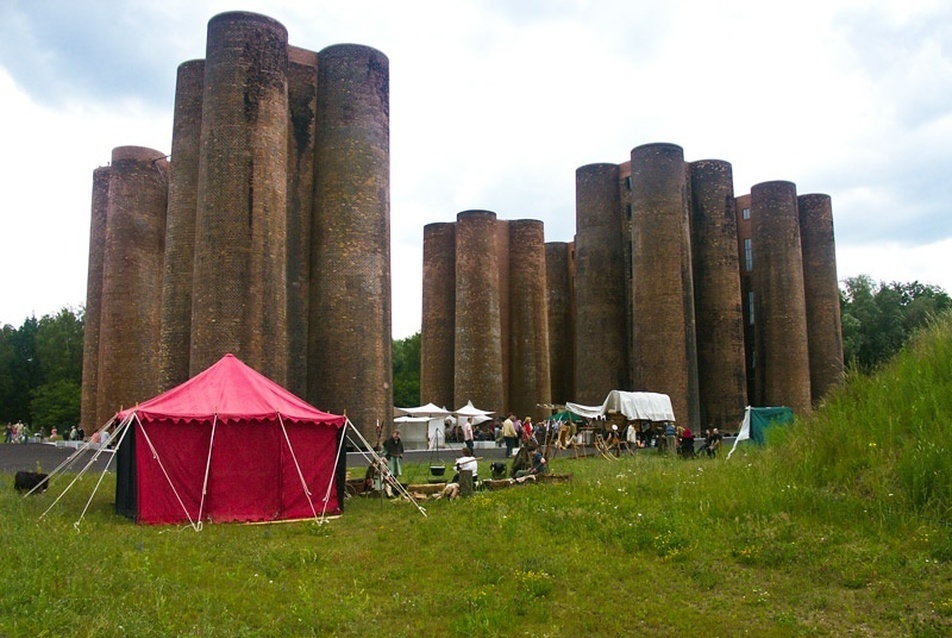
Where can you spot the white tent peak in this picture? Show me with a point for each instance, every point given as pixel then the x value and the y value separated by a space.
pixel 471 410
pixel 428 410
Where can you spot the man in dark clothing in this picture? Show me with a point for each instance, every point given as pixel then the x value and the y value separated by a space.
pixel 393 450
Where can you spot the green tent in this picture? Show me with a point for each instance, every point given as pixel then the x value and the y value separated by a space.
pixel 757 421
pixel 565 415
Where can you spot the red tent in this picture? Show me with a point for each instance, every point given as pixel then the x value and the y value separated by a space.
pixel 228 445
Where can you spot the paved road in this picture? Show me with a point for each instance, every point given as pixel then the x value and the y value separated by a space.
pixel 27 456
pixel 47 458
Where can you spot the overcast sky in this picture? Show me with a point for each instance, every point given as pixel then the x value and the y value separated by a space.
pixel 496 103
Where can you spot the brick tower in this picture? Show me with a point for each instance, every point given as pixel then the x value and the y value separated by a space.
pixel 239 299
pixel 663 340
pixel 601 362
pixel 180 226
pixel 89 414
pixel 722 378
pixel 478 371
pixel 130 306
pixel 349 327
pixel 560 299
pixel 780 322
pixel 528 320
pixel 821 293
pixel 438 330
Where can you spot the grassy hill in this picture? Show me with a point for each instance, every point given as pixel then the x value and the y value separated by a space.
pixel 841 526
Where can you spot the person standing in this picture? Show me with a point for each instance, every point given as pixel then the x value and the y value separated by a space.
pixel 509 435
pixel 393 449
pixel 670 438
pixel 468 434
pixel 716 439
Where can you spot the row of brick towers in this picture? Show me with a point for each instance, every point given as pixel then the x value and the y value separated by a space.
pixel 484 333
pixel 668 287
pixel 267 235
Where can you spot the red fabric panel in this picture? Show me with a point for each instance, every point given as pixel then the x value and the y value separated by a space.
pixel 315 448
pixel 245 483
pixel 182 449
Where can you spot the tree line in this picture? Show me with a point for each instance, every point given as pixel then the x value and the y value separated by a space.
pixel 41 362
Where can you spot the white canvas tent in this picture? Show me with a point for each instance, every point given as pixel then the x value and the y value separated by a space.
pixel 428 410
pixel 470 410
pixel 422 426
pixel 636 406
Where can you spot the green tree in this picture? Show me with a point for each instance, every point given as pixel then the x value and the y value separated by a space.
pixel 39 353
pixel 879 318
pixel 55 405
pixel 406 371
pixel 19 370
pixel 59 346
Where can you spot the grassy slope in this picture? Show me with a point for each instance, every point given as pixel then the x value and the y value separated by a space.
pixel 842 528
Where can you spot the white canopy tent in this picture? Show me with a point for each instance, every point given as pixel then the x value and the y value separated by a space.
pixel 423 426
pixel 421 432
pixel 636 406
pixel 469 410
pixel 429 410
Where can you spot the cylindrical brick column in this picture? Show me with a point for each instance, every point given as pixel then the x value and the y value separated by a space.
pixel 745 258
pixel 180 226
pixel 302 107
pixel 560 301
pixel 528 320
pixel 478 345
pixel 821 293
pixel 663 339
pixel 601 363
pixel 89 416
pixel 438 329
pixel 131 305
pixel 779 308
pixel 239 301
pixel 505 308
pixel 722 376
pixel 349 330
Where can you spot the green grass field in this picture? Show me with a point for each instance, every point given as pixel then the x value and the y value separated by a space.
pixel 841 526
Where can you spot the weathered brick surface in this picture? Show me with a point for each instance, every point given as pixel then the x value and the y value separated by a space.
pixel 528 320
pixel 89 415
pixel 780 320
pixel 479 357
pixel 438 330
pixel 174 346
pixel 722 376
pixel 821 293
pixel 560 300
pixel 663 337
pixel 349 356
pixel 504 264
pixel 601 361
pixel 239 301
pixel 302 122
pixel 744 230
pixel 130 306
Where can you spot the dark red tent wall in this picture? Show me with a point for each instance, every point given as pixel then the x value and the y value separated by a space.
pixel 252 474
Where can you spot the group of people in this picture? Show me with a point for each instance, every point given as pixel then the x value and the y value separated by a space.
pixel 19 433
pixel 680 440
pixel 667 437
pixel 513 430
pixel 516 432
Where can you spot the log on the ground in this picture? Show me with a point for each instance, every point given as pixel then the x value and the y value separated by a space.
pixel 426 488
